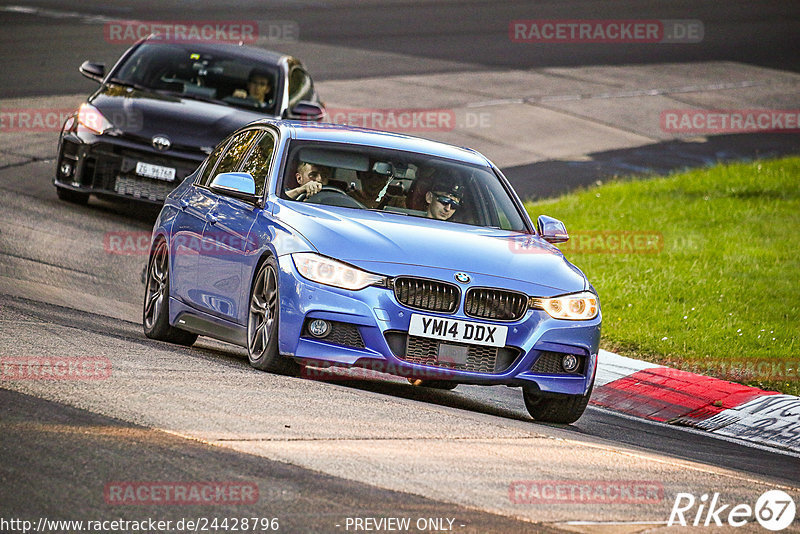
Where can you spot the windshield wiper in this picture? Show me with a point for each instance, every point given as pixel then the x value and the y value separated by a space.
pixel 133 85
pixel 388 211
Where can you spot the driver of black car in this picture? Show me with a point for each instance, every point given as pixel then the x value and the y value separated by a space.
pixel 310 178
pixel 259 88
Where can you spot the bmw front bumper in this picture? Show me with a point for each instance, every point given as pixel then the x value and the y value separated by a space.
pixel 369 328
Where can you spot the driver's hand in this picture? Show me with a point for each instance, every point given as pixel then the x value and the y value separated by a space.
pixel 312 188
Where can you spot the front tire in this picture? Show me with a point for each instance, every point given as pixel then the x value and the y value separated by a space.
pixel 262 323
pixel 155 310
pixel 563 409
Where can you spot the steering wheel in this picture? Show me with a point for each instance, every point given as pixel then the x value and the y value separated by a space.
pixel 331 196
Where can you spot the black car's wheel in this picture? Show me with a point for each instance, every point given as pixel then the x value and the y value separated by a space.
pixel 68 195
pixel 155 311
pixel 564 409
pixel 263 320
pixel 433 384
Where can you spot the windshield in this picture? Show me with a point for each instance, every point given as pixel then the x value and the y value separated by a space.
pixel 405 183
pixel 216 77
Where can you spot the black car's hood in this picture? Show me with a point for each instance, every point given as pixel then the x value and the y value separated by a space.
pixel 186 122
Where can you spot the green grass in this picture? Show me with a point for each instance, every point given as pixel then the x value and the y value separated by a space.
pixel 723 292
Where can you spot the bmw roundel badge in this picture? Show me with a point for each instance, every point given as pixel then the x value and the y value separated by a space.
pixel 463 278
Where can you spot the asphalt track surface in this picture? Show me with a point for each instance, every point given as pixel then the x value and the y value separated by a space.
pixel 57 457
pixel 77 453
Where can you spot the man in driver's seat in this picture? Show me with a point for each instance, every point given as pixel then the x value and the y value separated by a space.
pixel 311 178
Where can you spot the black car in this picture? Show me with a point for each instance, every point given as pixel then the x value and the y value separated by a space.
pixel 163 108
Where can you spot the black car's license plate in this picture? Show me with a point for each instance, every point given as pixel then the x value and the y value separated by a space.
pixel 155 171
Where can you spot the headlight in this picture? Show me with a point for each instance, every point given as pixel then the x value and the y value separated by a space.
pixel 576 307
pixel 333 273
pixel 91 118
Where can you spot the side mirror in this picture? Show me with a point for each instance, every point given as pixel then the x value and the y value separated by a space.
pixel 307 111
pixel 552 230
pixel 93 71
pixel 235 184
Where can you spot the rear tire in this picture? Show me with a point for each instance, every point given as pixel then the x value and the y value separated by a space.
pixel 155 310
pixel 563 409
pixel 263 321
pixel 75 197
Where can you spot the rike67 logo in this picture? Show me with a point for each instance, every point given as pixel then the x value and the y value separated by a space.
pixel 774 510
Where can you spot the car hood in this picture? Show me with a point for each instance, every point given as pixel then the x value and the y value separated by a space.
pixel 364 238
pixel 186 122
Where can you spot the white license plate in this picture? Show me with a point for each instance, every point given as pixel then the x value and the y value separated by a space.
pixel 155 171
pixel 458 331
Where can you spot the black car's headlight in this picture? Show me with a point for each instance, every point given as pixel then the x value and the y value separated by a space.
pixel 333 273
pixel 91 118
pixel 575 307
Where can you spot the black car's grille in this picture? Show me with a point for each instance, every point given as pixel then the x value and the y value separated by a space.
pixel 430 295
pixel 113 168
pixel 495 304
pixel 143 188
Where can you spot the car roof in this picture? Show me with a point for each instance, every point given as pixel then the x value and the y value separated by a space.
pixel 241 51
pixel 338 133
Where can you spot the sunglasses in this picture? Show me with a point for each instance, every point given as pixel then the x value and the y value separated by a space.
pixel 447 201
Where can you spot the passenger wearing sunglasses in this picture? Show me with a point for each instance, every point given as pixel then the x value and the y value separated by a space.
pixel 443 199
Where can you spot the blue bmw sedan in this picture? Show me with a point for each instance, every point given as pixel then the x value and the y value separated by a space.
pixel 318 244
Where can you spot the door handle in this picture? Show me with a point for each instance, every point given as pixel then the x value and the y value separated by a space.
pixel 184 203
pixel 211 218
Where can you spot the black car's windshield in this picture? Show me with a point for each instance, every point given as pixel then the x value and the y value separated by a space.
pixel 400 182
pixel 215 77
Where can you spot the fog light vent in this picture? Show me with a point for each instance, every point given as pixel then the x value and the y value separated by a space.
pixel 555 363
